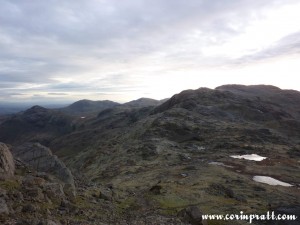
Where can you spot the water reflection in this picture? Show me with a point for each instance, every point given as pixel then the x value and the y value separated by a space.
pixel 253 157
pixel 270 181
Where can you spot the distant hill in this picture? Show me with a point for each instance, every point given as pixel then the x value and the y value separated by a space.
pixel 35 124
pixel 11 108
pixel 86 107
pixel 142 102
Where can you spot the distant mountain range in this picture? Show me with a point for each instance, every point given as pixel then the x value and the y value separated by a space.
pixel 82 107
pixel 42 124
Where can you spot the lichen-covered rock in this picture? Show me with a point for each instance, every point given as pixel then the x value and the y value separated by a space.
pixel 54 191
pixel 42 160
pixel 69 191
pixel 7 165
pixel 34 193
pixel 31 181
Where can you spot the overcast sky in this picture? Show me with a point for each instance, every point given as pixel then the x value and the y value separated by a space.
pixel 122 50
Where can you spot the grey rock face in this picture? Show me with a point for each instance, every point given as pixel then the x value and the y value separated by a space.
pixel 42 160
pixel 54 191
pixel 7 165
pixel 3 207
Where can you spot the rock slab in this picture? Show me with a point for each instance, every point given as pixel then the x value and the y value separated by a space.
pixel 7 165
pixel 42 160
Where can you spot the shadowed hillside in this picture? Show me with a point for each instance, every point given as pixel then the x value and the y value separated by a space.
pixel 35 124
pixel 87 107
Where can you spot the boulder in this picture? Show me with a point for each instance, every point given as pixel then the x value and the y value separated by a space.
pixel 106 195
pixel 42 160
pixel 156 189
pixel 191 215
pixel 7 165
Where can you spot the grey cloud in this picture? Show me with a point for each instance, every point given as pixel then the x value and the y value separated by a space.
pixel 66 86
pixel 288 45
pixel 107 22
pixel 42 40
pixel 14 94
pixel 57 94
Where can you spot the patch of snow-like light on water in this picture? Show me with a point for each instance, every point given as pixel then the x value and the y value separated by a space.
pixel 270 181
pixel 253 157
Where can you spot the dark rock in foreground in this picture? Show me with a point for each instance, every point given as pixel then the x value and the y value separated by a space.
pixel 7 165
pixel 42 160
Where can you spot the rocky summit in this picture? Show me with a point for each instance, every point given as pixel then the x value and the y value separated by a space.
pixel 154 162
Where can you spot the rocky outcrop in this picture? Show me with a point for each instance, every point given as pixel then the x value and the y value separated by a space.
pixel 42 160
pixel 7 165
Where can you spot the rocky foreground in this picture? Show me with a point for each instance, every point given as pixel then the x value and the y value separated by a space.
pixel 40 190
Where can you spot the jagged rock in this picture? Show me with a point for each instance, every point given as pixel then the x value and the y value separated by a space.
pixel 220 190
pixel 192 215
pixel 3 207
pixel 54 191
pixel 34 193
pixel 44 175
pixel 7 165
pixel 148 151
pixel 31 181
pixel 18 209
pixel 69 191
pixel 42 160
pixel 48 222
pixel 156 189
pixel 106 195
pixel 30 208
pixel 16 196
pixel 64 203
